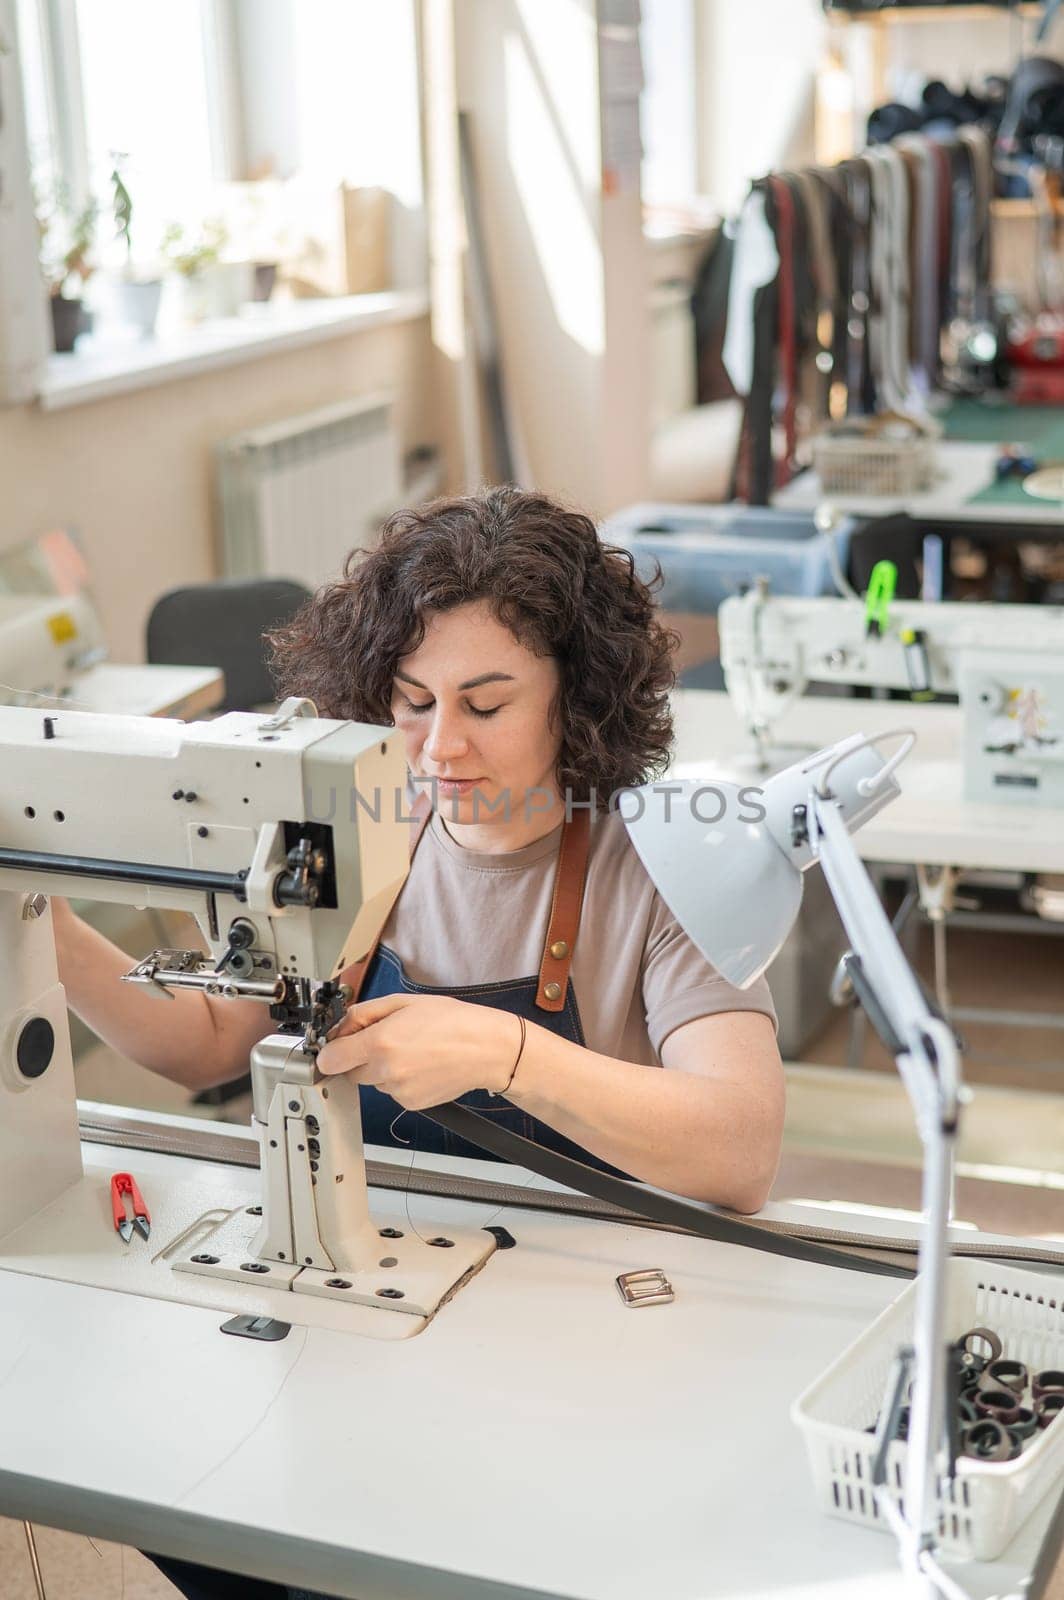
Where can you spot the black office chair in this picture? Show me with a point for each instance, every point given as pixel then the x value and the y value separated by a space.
pixel 221 624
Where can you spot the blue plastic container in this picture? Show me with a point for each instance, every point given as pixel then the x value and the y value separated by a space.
pixel 707 553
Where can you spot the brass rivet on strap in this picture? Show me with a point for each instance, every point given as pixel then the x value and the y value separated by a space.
pixel 559 949
pixel 552 991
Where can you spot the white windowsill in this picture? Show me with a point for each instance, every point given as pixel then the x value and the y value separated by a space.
pixel 95 372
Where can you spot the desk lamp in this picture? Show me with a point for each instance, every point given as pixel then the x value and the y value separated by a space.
pixel 728 862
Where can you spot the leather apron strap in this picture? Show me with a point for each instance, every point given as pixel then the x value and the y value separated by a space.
pixel 570 875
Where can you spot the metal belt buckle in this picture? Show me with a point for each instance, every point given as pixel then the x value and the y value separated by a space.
pixel 647 1288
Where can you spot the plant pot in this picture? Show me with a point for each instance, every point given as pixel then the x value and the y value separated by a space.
pixel 218 291
pixel 193 298
pixel 68 320
pixel 138 304
pixel 232 285
pixel 265 279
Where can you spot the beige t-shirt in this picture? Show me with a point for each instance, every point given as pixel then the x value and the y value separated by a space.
pixel 466 919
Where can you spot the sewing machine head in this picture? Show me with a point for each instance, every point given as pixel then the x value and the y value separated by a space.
pixel 286 838
pixel 257 826
pixel 1002 661
pixel 45 641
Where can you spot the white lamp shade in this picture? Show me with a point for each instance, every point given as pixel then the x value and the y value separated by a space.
pixel 726 859
pixel 726 881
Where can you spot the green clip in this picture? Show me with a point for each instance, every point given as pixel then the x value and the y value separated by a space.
pixel 881 586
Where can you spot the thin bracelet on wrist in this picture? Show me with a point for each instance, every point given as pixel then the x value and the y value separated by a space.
pixel 517 1062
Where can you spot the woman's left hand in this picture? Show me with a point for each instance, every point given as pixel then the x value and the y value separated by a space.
pixel 424 1050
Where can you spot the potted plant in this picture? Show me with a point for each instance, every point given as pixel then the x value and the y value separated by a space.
pixel 137 298
pixel 66 242
pixel 195 257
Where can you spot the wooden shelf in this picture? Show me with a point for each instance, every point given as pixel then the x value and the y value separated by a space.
pixel 902 16
pixel 1024 210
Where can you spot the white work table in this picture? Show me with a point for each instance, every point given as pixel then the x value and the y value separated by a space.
pixel 965 469
pixel 144 691
pixel 929 823
pixel 537 1438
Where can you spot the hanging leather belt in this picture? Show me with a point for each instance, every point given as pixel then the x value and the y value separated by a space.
pixel 783 202
pixel 859 381
pixel 944 208
pixel 924 259
pixel 980 156
pixel 840 228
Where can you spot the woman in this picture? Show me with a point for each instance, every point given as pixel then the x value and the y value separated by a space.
pixel 527 954
pixel 524 665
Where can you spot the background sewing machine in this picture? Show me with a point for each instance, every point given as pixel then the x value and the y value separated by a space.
pixel 1005 663
pixel 53 652
pixel 219 820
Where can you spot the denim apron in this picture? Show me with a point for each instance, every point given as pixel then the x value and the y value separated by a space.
pixel 546 998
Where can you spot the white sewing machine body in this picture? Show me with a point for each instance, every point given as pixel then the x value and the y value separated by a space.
pixel 284 837
pixel 1005 662
pixel 46 643
pixel 53 656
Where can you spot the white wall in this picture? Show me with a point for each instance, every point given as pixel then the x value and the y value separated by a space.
pixel 568 268
pixel 757 65
pixel 133 474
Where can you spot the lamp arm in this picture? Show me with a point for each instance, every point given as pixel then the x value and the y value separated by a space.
pixel 929 1067
pixel 930 1075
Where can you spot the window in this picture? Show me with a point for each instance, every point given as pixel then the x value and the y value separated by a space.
pixel 144 90
pixel 230 111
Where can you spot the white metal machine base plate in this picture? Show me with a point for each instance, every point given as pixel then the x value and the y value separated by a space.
pixel 413 1273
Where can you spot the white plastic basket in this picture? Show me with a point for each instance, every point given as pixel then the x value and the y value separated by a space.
pixel 981 1510
pixel 885 455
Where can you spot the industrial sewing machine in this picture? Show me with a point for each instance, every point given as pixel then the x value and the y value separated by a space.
pixel 46 643
pixel 1004 662
pixel 283 836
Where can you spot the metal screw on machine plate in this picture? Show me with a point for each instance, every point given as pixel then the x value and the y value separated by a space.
pixel 34 906
pixel 647 1288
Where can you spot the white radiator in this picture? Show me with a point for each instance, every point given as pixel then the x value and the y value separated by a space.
pixel 296 496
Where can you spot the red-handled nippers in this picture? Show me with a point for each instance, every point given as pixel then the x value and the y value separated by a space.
pixel 122 1184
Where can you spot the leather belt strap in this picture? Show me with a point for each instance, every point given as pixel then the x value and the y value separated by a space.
pixel 980 156
pixel 840 225
pixel 821 256
pixel 570 875
pixel 753 466
pixel 860 388
pixel 944 207
pixel 807 276
pixel 914 173
pixel 788 329
pixel 661 1208
pixel 924 273
pixel 962 273
pixel 889 323
pixel 355 975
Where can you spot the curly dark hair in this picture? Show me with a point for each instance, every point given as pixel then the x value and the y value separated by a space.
pixel 560 590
